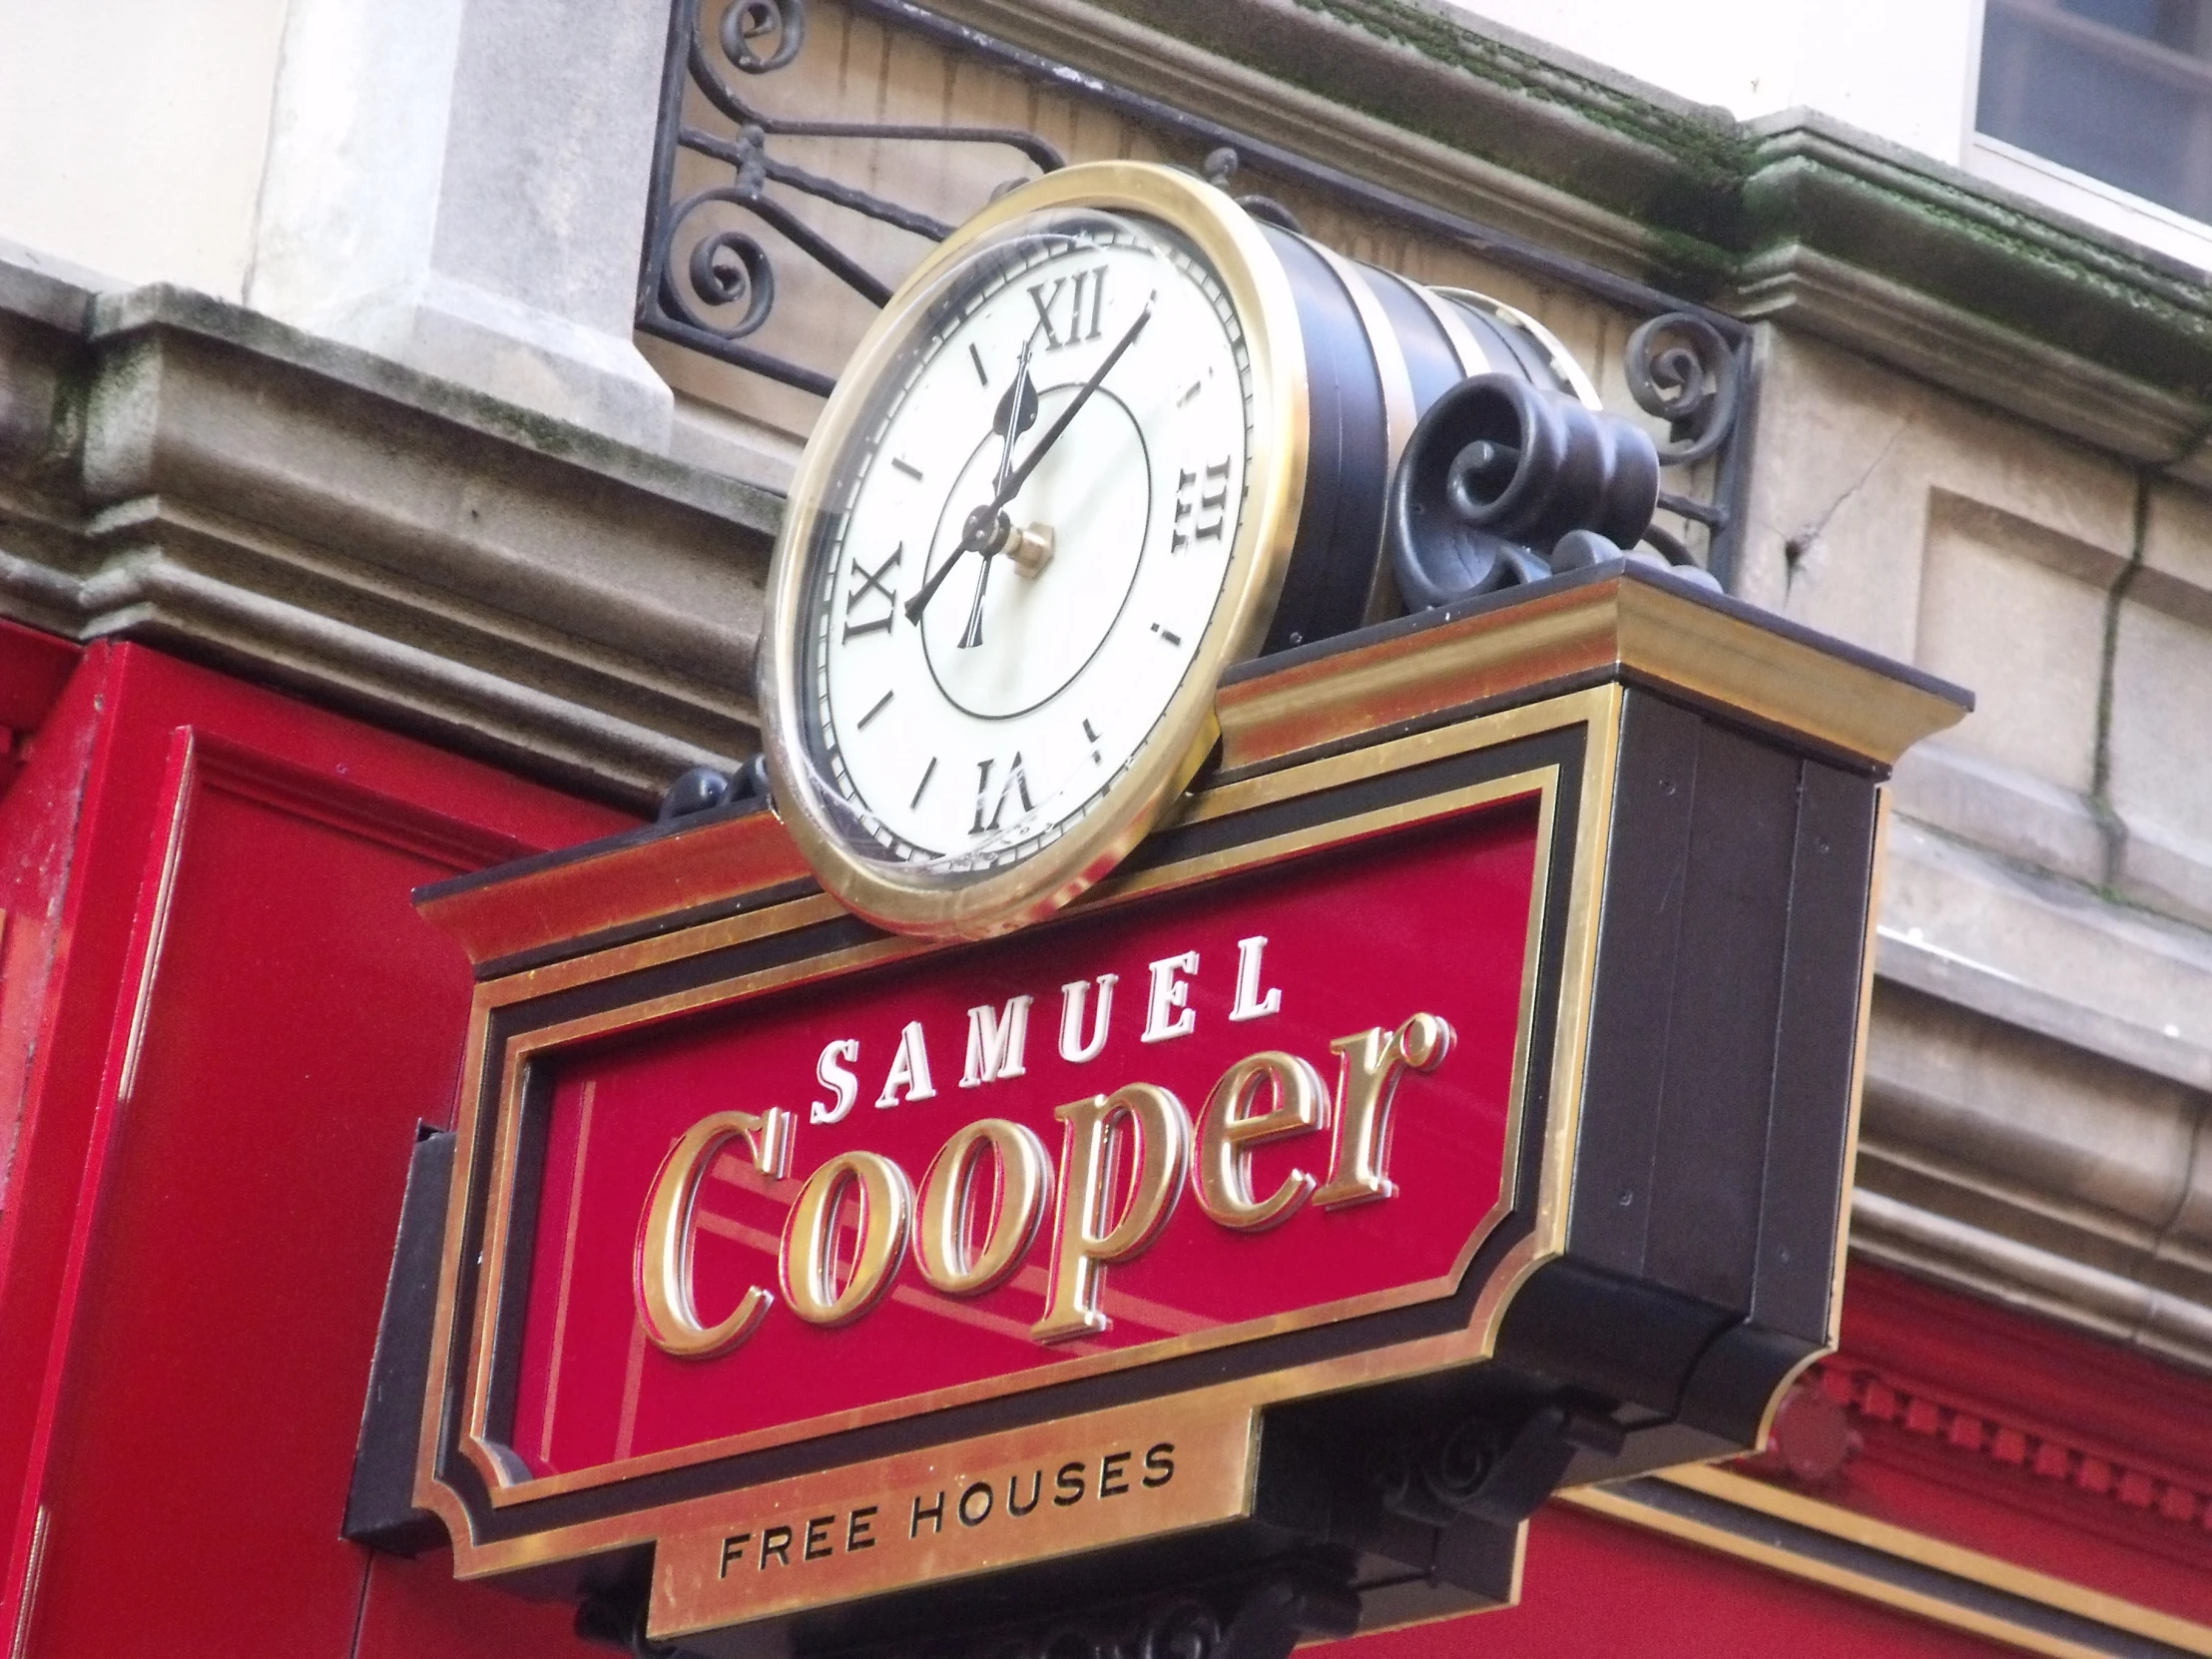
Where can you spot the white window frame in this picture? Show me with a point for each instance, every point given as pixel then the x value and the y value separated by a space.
pixel 2077 194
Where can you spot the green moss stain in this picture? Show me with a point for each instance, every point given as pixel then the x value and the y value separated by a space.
pixel 1710 148
pixel 1711 196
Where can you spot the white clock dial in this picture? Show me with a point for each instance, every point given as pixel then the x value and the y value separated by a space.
pixel 981 674
pixel 1051 498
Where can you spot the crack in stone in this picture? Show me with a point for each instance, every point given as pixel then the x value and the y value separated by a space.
pixel 1801 544
pixel 2110 825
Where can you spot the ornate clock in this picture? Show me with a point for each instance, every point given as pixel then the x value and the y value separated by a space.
pixel 1113 436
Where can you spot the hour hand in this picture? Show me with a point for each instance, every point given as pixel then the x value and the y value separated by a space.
pixel 1016 413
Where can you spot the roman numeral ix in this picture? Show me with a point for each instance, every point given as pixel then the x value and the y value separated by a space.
pixel 871 581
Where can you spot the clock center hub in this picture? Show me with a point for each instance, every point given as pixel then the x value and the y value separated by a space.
pixel 1001 642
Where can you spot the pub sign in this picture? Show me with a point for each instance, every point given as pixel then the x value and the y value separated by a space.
pixel 1264 1124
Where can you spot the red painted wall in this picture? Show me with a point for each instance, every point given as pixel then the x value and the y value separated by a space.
pixel 220 1022
pixel 215 1080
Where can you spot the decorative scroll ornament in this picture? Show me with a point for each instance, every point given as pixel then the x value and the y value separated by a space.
pixel 711 285
pixel 1680 369
pixel 688 295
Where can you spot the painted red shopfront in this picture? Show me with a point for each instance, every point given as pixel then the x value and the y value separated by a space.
pixel 221 1024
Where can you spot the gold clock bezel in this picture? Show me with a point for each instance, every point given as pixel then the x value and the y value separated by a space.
pixel 907 899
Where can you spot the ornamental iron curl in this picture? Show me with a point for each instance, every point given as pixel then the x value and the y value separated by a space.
pixel 1259 1615
pixel 1680 369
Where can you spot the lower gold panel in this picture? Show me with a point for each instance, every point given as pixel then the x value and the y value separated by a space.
pixel 1004 1500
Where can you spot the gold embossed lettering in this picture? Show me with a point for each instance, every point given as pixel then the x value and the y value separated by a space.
pixel 1229 1127
pixel 663 1259
pixel 812 1257
pixel 1141 1128
pixel 989 1155
pixel 1371 1064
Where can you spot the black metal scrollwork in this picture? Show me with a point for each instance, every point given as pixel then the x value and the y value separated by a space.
pixel 751 21
pixel 688 297
pixel 1485 1465
pixel 1220 169
pixel 1181 1630
pixel 712 286
pixel 1680 369
pixel 1262 1616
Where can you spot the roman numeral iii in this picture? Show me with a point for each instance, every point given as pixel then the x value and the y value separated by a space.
pixel 1201 507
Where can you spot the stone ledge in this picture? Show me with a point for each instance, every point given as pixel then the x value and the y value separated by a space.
pixel 1994 919
pixel 1797 216
pixel 1987 991
pixel 2165 872
pixel 2009 812
pixel 1932 1246
pixel 2063 1164
pixel 161 309
pixel 179 470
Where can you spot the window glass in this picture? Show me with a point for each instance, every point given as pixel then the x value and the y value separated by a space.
pixel 2118 89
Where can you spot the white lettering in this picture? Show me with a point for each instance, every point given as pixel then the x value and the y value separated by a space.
pixel 1250 1003
pixel 833 1075
pixel 1073 997
pixel 909 1069
pixel 995 1040
pixel 1162 1020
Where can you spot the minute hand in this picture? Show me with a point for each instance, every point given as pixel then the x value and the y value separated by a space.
pixel 1020 475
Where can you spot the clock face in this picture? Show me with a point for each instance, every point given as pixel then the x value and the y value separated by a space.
pixel 980 682
pixel 1025 540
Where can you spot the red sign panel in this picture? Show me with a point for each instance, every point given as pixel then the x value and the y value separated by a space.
pixel 1285 1098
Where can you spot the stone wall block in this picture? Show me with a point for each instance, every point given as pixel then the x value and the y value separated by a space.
pixel 2160 743
pixel 461 185
pixel 2017 613
pixel 1983 1097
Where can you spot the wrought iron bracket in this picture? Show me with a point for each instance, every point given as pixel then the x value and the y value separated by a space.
pixel 729 268
pixel 711 285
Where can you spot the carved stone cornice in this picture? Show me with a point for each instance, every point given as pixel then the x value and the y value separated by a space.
pixel 178 470
pixel 1795 217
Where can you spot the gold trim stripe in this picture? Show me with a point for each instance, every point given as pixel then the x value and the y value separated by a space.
pixel 1917 1549
pixel 1636 623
